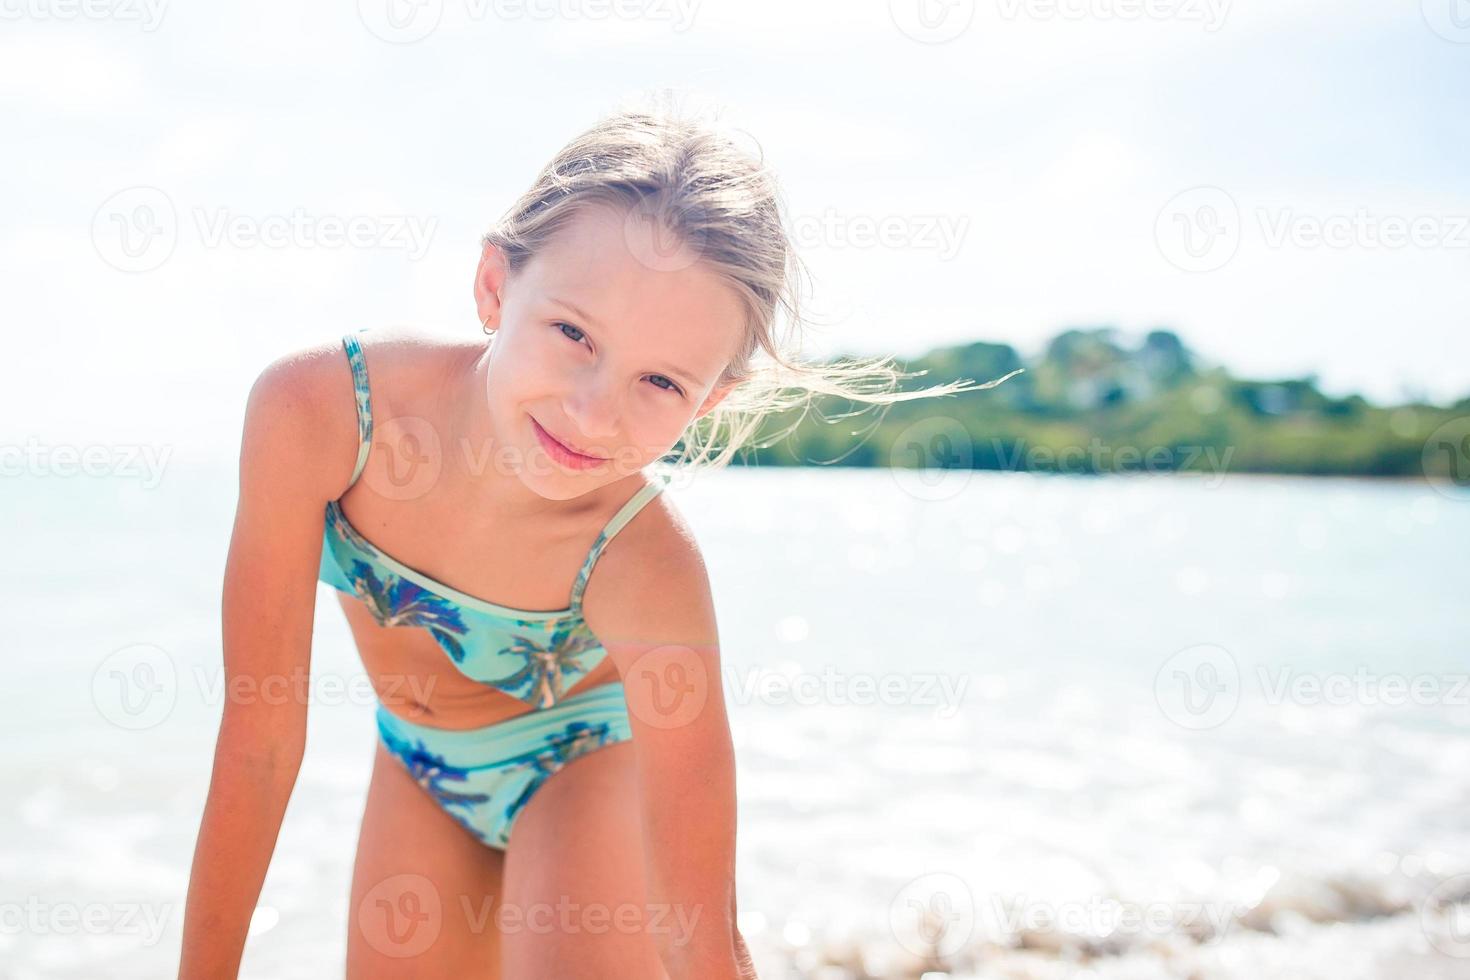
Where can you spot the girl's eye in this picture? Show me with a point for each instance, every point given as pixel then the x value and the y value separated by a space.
pixel 564 327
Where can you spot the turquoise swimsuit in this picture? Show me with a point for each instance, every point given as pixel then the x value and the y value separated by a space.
pixel 483 777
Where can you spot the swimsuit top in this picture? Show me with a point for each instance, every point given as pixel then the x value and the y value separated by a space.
pixel 534 656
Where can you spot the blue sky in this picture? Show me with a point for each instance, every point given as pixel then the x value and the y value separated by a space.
pixel 1036 165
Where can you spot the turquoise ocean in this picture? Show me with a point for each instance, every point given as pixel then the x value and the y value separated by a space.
pixel 987 725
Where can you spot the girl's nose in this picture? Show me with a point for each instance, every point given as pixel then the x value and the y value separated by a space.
pixel 594 408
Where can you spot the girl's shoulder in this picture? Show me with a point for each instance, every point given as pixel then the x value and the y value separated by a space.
pixel 404 360
pixel 310 393
pixel 652 573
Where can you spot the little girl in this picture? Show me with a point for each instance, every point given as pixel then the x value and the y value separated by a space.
pixel 553 793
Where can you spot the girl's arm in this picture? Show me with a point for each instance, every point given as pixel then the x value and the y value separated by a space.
pixel 654 614
pixel 266 613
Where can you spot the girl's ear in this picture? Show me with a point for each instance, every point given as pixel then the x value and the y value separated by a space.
pixel 490 277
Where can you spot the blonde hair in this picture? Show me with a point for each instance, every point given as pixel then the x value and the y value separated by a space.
pixel 690 175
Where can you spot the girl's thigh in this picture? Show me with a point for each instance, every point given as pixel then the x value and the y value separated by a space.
pixel 574 878
pixel 423 888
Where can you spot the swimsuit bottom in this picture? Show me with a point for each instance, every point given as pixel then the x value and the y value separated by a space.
pixel 484 777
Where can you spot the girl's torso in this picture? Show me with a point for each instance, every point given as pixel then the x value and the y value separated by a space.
pixel 461 621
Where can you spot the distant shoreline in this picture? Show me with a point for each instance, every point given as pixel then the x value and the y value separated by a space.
pixel 1262 475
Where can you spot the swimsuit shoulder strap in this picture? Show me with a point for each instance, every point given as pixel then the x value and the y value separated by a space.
pixel 358 363
pixel 618 521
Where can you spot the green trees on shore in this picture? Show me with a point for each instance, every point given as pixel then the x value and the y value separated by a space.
pixel 1089 404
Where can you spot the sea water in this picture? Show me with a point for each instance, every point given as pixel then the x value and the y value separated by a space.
pixel 986 724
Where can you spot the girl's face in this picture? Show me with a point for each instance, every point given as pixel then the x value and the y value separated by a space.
pixel 606 344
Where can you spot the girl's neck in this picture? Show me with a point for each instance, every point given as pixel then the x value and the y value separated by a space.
pixel 479 474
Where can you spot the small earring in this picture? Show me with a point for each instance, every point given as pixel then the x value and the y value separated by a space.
pixel 485 324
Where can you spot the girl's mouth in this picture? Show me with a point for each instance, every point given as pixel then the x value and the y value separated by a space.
pixel 563 453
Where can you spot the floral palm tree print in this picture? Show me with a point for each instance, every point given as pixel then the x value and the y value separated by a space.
pixel 346 531
pixel 578 739
pixel 549 669
pixel 431 772
pixel 546 656
pixel 481 814
pixel 398 602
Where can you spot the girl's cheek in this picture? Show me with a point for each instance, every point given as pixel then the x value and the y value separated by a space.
pixel 656 435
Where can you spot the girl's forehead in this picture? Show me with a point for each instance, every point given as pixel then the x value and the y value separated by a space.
pixel 595 224
pixel 596 271
pixel 609 268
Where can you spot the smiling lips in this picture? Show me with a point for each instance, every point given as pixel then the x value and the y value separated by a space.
pixel 563 453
